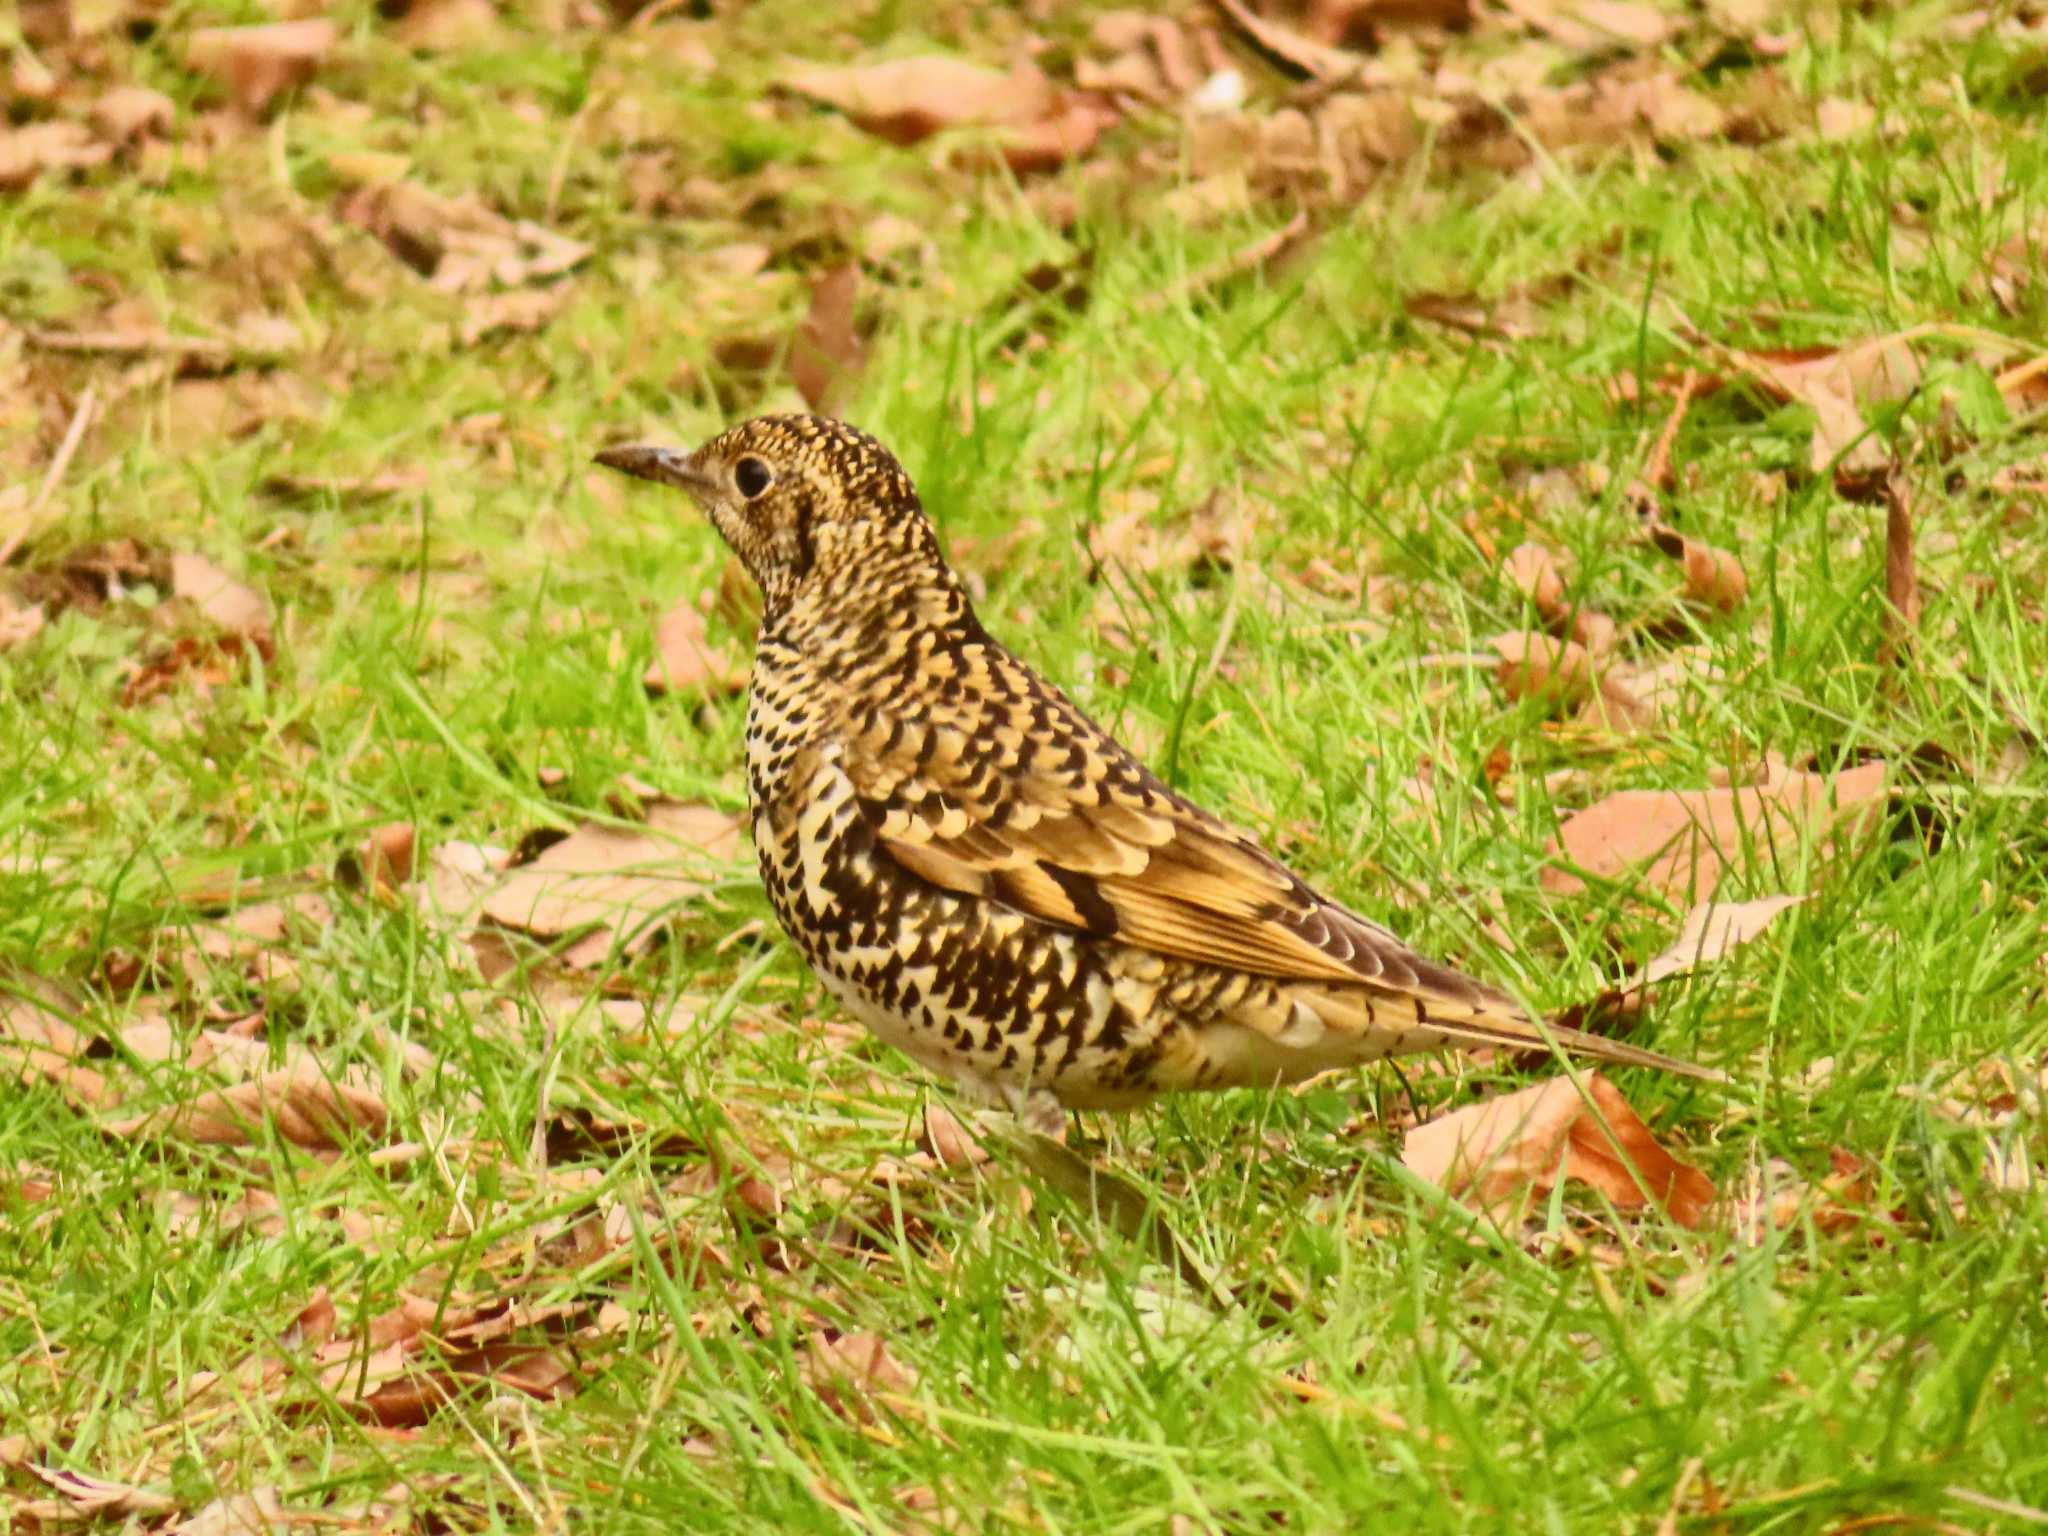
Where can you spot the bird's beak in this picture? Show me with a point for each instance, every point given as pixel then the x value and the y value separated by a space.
pixel 664 465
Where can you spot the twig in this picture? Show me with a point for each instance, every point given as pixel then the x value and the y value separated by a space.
pixel 81 418
pixel 131 344
pixel 1657 469
pixel 1237 264
pixel 1901 575
pixel 1668 1526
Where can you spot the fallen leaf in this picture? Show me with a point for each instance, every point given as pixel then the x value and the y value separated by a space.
pixel 1533 571
pixel 1503 1151
pixel 37 1039
pixel 613 885
pixel 907 100
pixel 828 354
pixel 1837 118
pixel 1680 842
pixel 19 623
pixel 1713 577
pixel 515 312
pixel 1775 1195
pixel 848 1370
pixel 305 1105
pixel 228 605
pixel 1590 26
pixel 131 112
pixel 949 1142
pixel 1298 54
pixel 387 855
pixel 1712 930
pixel 97 1498
pixel 1542 666
pixel 257 63
pixel 458 244
pixel 686 660
pixel 28 151
pixel 1836 383
pixel 259 1512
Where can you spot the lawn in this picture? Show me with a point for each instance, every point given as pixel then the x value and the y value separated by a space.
pixel 1267 374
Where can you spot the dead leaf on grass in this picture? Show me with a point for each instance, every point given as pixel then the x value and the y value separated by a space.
pixel 828 354
pixel 1504 1151
pixel 1837 383
pixel 19 622
pixel 1680 842
pixel 1775 1196
pixel 1534 572
pixel 1713 930
pixel 687 660
pixel 614 885
pixel 847 1371
pixel 308 1108
pixel 259 1512
pixel 1297 54
pixel 255 64
pixel 98 1498
pixel 227 604
pixel 908 100
pixel 60 145
pixel 457 244
pixel 128 113
pixel 1544 667
pixel 1594 26
pixel 37 1039
pixel 1714 578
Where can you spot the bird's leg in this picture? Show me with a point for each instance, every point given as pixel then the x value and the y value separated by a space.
pixel 1039 1111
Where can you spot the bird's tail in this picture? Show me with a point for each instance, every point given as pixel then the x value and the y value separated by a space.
pixel 1521 1034
pixel 1396 1021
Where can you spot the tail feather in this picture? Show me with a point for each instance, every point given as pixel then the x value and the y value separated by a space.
pixel 1522 1034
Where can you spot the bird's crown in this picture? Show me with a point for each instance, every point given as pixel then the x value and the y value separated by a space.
pixel 813 507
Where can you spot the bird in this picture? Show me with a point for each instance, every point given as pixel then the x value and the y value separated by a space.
pixel 988 879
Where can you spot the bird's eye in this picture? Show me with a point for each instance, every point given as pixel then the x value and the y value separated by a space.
pixel 752 477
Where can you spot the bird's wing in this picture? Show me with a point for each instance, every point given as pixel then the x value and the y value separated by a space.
pixel 1033 806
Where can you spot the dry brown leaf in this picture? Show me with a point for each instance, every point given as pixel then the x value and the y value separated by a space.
pixel 255 64
pixel 1680 842
pixel 307 1107
pixel 227 604
pixel 950 1143
pixel 1836 383
pixel 387 855
pixel 828 354
pixel 458 244
pixel 1714 577
pixel 1776 1196
pixel 1712 930
pixel 97 1498
pixel 259 1512
pixel 1542 666
pixel 1504 1151
pixel 131 112
pixel 60 145
pixel 1292 51
pixel 617 882
pixel 1591 26
pixel 907 100
pixel 36 1039
pixel 1836 118
pixel 19 623
pixel 849 1370
pixel 686 660
pixel 1533 571
pixel 515 312
pixel 1359 23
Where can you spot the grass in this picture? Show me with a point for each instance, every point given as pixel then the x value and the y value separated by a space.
pixel 439 648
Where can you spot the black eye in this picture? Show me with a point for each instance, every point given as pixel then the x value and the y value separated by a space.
pixel 752 477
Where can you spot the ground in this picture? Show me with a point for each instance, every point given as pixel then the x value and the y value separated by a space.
pixel 1270 374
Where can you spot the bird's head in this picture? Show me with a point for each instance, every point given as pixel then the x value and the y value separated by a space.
pixel 810 506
